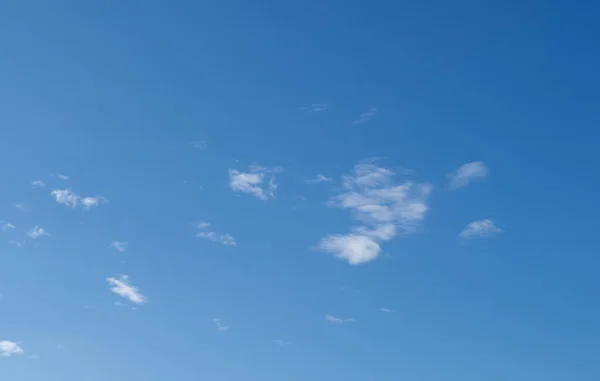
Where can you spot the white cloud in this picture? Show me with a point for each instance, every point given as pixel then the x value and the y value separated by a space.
pixel 38 184
pixel 21 206
pixel 481 228
pixel 10 348
pixel 199 144
pixel 6 226
pixel 224 239
pixel 319 179
pixel 37 232
pixel 366 116
pixel 383 209
pixel 17 243
pixel 122 287
pixel 336 320
pixel 386 310
pixel 221 326
pixel 316 107
pixel 69 198
pixel 62 177
pixel 254 181
pixel 119 246
pixel 466 173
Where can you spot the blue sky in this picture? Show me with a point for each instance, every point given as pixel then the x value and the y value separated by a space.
pixel 315 190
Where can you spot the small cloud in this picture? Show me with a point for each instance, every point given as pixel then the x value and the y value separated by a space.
pixel 122 287
pixel 281 343
pixel 62 177
pixel 319 179
pixel 10 348
pixel 203 225
pixel 366 116
pixel 118 246
pixel 20 206
pixel 466 173
pixel 316 107
pixel 336 320
pixel 37 232
pixel 60 347
pixel 258 181
pixel 480 229
pixel 17 243
pixel 224 239
pixel 71 199
pixel 386 310
pixel 199 144
pixel 221 326
pixel 38 184
pixel 6 226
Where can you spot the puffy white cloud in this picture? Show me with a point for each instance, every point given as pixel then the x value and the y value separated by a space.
pixel 466 173
pixel 336 320
pixel 319 179
pixel 478 229
pixel 37 232
pixel 10 348
pixel 221 326
pixel 71 199
pixel 366 116
pixel 384 210
pixel 122 287
pixel 258 181
pixel 119 246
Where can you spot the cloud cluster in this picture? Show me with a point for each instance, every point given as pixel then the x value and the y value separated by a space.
pixel 71 199
pixel 258 181
pixel 467 173
pixel 480 229
pixel 366 116
pixel 224 239
pixel 221 326
pixel 10 348
pixel 383 209
pixel 122 287
pixel 336 320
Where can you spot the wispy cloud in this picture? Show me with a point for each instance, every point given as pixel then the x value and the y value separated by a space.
pixel 71 199
pixel 38 184
pixel 466 173
pixel 366 116
pixel 336 320
pixel 6 226
pixel 316 107
pixel 60 176
pixel 224 239
pixel 37 232
pixel 258 181
pixel 119 246
pixel 281 343
pixel 20 206
pixel 121 286
pixel 10 348
pixel 319 179
pixel 386 310
pixel 480 229
pixel 221 326
pixel 17 243
pixel 199 145
pixel 382 208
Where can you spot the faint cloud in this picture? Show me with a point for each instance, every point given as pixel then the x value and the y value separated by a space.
pixel 60 347
pixel 17 243
pixel 71 199
pixel 366 116
pixel 6 226
pixel 382 208
pixel 480 229
pixel 199 144
pixel 38 184
pixel 10 348
pixel 258 181
pixel 386 310
pixel 316 107
pixel 281 343
pixel 224 239
pixel 119 246
pixel 60 176
pixel 336 320
pixel 37 232
pixel 122 287
pixel 20 206
pixel 221 326
pixel 319 179
pixel 466 173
